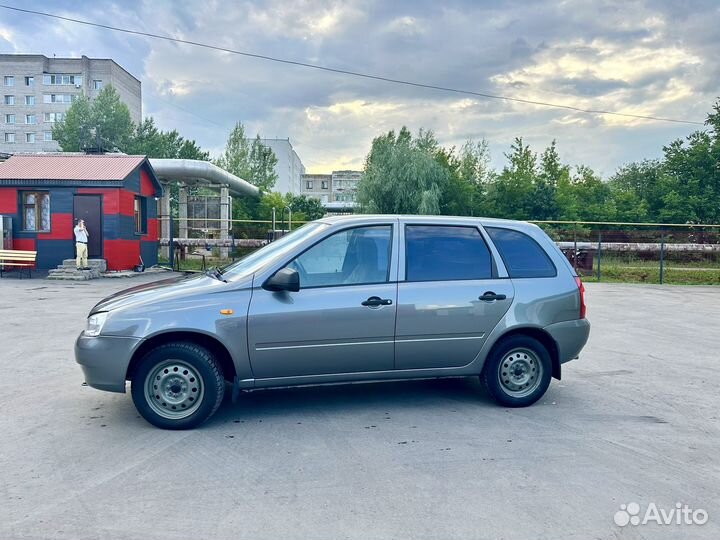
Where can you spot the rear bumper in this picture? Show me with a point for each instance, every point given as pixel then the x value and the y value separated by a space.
pixel 570 336
pixel 105 360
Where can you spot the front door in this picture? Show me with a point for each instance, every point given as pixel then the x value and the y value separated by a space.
pixel 89 208
pixel 341 320
pixel 450 299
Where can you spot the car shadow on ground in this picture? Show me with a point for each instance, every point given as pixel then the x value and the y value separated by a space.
pixel 354 398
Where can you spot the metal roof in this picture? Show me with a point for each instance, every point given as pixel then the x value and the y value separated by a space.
pixel 73 167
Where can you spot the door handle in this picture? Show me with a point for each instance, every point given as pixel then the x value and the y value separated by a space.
pixel 376 301
pixel 489 296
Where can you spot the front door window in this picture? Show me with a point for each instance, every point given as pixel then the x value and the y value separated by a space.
pixel 358 256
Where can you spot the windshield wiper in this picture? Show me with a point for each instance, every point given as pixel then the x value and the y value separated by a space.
pixel 216 273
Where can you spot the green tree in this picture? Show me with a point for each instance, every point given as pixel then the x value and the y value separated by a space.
pixel 148 140
pixel 276 200
pixel 262 165
pixel 638 189
pixel 252 162
pixel 111 120
pixel 511 194
pixel 76 131
pixel 402 175
pixel 469 175
pixel 236 157
pixel 105 123
pixel 543 204
pixel 309 207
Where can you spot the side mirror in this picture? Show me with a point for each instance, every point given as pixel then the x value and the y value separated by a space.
pixel 285 279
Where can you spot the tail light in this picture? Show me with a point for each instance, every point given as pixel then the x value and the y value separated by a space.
pixel 581 288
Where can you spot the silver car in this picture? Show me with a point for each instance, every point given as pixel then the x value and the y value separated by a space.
pixel 345 299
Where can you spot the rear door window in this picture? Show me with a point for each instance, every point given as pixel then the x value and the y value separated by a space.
pixel 523 256
pixel 444 253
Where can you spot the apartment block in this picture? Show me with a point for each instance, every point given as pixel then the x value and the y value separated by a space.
pixel 336 191
pixel 37 92
pixel 289 167
pixel 317 186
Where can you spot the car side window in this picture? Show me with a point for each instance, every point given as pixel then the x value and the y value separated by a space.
pixel 350 257
pixel 444 253
pixel 523 256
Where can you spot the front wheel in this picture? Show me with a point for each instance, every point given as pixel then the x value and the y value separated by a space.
pixel 517 373
pixel 178 386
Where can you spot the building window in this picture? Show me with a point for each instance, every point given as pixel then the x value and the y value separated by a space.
pixel 9 80
pixel 53 117
pixel 29 100
pixel 36 211
pixel 61 79
pixel 140 215
pixel 324 184
pixel 29 81
pixel 59 98
pixel 9 137
pixel 30 119
pixel 30 138
pixel 9 100
pixel 47 136
pixel 9 118
pixel 308 184
pixel 97 84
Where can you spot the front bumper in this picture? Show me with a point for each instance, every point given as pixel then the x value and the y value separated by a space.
pixel 570 336
pixel 105 360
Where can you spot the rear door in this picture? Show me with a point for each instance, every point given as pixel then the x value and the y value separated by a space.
pixel 449 297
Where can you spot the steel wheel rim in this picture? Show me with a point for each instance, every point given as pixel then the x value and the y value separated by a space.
pixel 174 389
pixel 520 372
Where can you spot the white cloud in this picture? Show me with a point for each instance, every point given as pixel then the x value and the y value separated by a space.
pixel 645 57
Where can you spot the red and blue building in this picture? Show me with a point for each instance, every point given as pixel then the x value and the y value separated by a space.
pixel 115 194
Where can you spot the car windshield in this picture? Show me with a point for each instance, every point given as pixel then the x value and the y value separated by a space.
pixel 257 259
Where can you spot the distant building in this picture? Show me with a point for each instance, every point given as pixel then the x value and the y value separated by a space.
pixel 336 191
pixel 289 167
pixel 317 186
pixel 37 92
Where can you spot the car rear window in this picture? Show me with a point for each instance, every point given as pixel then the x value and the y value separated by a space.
pixel 437 253
pixel 523 256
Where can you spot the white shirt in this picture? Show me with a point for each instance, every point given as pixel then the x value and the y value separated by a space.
pixel 80 234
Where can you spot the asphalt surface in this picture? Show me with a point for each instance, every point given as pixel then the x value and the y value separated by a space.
pixel 634 420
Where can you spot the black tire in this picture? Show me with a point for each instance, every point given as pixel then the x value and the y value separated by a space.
pixel 530 358
pixel 198 381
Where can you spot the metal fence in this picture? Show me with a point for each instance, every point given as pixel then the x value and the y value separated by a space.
pixel 600 251
pixel 640 252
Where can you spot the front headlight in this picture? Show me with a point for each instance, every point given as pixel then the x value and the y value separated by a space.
pixel 95 323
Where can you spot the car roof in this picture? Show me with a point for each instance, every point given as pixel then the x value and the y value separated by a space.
pixel 361 218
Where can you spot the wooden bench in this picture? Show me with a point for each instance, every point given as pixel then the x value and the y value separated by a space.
pixel 17 259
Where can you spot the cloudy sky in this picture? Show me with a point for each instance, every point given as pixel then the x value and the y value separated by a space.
pixel 643 57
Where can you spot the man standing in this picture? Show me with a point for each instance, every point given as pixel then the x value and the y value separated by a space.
pixel 81 249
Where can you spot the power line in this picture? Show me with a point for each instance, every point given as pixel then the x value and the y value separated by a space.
pixel 352 73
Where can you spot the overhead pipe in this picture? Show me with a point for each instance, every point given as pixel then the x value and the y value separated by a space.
pixel 194 169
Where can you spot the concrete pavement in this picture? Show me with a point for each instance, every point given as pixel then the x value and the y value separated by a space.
pixel 634 420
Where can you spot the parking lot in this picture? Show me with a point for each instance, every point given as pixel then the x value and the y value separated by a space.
pixel 634 420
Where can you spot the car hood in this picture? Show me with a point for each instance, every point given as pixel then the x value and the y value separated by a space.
pixel 173 288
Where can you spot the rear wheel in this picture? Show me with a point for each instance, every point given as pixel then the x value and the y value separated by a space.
pixel 518 371
pixel 178 386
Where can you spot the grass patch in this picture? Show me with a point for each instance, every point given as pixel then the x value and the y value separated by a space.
pixel 676 275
